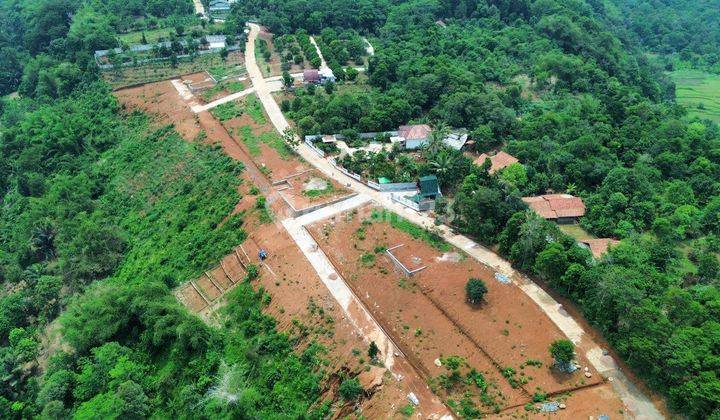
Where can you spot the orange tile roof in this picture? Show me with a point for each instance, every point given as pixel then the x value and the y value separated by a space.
pixel 499 161
pixel 414 132
pixel 598 247
pixel 553 206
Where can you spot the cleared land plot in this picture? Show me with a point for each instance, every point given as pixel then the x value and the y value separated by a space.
pixel 188 296
pixel 162 101
pixel 428 312
pixel 161 70
pixel 310 188
pixel 699 92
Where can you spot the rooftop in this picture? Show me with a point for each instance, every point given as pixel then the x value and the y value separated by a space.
pixel 414 132
pixel 499 161
pixel 311 75
pixel 554 206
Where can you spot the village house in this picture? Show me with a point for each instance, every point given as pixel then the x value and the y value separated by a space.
pixel 315 76
pixel 498 162
pixel 415 136
pixel 560 208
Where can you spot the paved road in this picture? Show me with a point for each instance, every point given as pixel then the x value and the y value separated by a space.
pixel 641 406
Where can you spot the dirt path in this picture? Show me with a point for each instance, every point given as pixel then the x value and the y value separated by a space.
pixel 323 63
pixel 199 8
pixel 641 406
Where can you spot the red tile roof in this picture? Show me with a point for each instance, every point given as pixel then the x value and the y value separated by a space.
pixel 414 132
pixel 598 247
pixel 553 206
pixel 499 161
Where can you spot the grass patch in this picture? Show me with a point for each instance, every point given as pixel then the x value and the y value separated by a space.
pixel 329 189
pixel 270 138
pixel 230 87
pixel 411 229
pixel 226 111
pixel 224 70
pixel 699 91
pixel 255 110
pixel 251 140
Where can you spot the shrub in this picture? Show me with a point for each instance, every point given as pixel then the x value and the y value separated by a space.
pixel 350 389
pixel 562 351
pixel 475 290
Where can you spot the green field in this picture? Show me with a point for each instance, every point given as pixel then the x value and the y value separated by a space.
pixel 699 92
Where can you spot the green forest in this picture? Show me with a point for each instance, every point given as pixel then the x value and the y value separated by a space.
pixel 102 213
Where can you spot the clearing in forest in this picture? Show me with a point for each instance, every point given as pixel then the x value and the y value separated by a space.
pixel 499 347
pixel 699 91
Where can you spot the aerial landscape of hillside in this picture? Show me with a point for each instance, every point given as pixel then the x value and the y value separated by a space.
pixel 430 209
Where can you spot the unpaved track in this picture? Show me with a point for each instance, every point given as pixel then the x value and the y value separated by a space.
pixel 640 405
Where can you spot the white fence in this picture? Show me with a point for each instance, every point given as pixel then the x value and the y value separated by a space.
pixel 314 148
pixel 423 205
pixel 394 186
pixel 345 171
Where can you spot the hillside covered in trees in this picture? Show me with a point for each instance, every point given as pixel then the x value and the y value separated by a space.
pixel 567 89
pixel 683 31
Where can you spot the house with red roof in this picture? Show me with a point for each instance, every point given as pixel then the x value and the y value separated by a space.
pixel 498 161
pixel 414 136
pixel 560 208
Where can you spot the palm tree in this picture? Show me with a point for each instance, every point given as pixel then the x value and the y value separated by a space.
pixel 436 140
pixel 442 164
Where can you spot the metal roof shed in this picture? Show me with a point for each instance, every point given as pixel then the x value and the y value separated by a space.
pixel 429 186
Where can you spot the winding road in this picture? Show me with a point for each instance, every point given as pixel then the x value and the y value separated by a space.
pixel 637 402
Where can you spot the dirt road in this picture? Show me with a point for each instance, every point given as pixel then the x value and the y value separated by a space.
pixel 641 406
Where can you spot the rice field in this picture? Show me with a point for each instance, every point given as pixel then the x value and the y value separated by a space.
pixel 699 92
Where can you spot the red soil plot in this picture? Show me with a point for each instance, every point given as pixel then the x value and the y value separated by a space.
pixel 188 296
pixel 162 101
pixel 309 189
pixel 508 327
pixel 233 268
pixel 422 331
pixel 264 156
pixel 220 278
pixel 208 288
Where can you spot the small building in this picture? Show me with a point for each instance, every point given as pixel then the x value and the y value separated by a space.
pixel 329 138
pixel 599 247
pixel 498 162
pixel 456 139
pixel 311 76
pixel 560 208
pixel 315 76
pixel 429 187
pixel 415 136
pixel 216 42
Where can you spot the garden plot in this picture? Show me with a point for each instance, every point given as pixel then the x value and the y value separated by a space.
pixel 203 294
pixel 506 337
